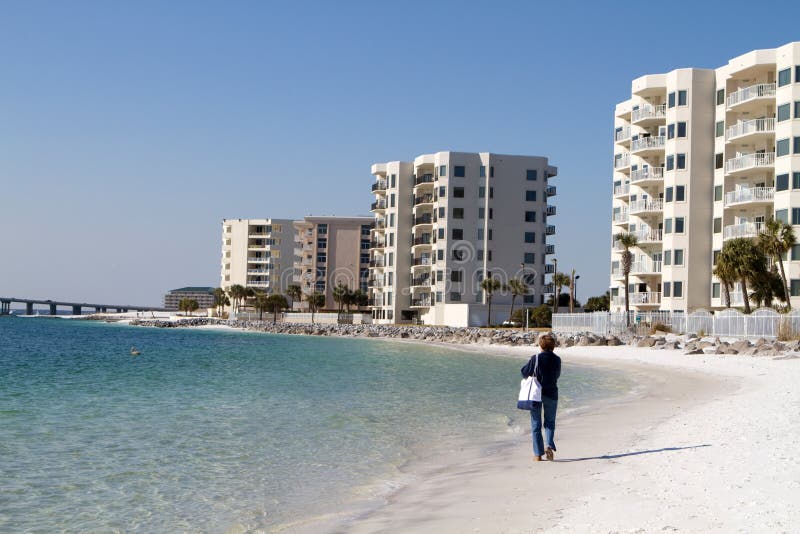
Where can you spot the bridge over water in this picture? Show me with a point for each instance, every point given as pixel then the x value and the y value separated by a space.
pixel 77 307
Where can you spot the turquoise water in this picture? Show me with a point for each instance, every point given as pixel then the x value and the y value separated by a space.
pixel 207 429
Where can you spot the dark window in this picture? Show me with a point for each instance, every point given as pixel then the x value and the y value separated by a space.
pixel 678 225
pixel 782 215
pixel 797 74
pixel 481 191
pixel 683 97
pixel 667 288
pixel 483 171
pixel 719 161
pixel 442 170
pixel 530 237
pixel 718 225
pixel 681 129
pixel 794 288
pixel 797 109
pixel 717 193
pixel 671 100
pixel 441 233
pixel 459 171
pixel 670 131
pixel 442 191
pixel 530 174
pixel 670 162
pixel 681 161
pixel 795 215
pixel 667 226
pixel 796 147
pixel 720 128
pixel 481 212
pixel 715 290
pixel 784 112
pixel 795 252
pixel 456 276
pixel 455 296
pixel 529 257
pixel 668 194
pixel 667 257
pixel 784 77
pixel 782 147
pixel 720 96
pixel 458 192
pixel 677 289
pixel 714 257
pixel 679 193
pixel 458 254
pixel 458 233
pixel 679 256
pixel 530 196
pixel 458 213
pixel 491 171
pixel 491 213
pixel 782 182
pixel 796 180
pixel 530 216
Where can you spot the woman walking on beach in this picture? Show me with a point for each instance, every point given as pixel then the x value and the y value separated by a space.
pixel 547 372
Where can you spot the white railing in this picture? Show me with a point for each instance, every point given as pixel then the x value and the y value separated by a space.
pixel 750 93
pixel 623 134
pixel 648 298
pixel 644 143
pixel 751 126
pixel 646 267
pixel 624 161
pixel 764 159
pixel 258 284
pixel 620 217
pixel 550 210
pixel 649 112
pixel 648 173
pixel 748 229
pixel 551 191
pixel 750 194
pixel 622 189
pixel 638 206
pixel 257 271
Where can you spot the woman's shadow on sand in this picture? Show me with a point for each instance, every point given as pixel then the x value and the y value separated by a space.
pixel 613 456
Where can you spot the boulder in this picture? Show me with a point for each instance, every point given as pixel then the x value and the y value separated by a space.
pixel 695 351
pixel 613 341
pixel 740 345
pixel 646 342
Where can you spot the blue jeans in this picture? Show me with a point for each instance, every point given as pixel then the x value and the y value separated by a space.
pixel 549 406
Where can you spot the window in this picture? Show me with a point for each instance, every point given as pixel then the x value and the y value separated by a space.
pixel 784 77
pixel 679 256
pixel 322 258
pixel 667 257
pixel 782 147
pixel 677 289
pixel 482 173
pixel 530 196
pixel 720 131
pixel 393 180
pixel 482 191
pixel 795 215
pixel 391 220
pixel 528 299
pixel 718 225
pixel 719 161
pixel 458 255
pixel 714 257
pixel 530 174
pixel 681 129
pixel 458 233
pixel 442 191
pixel 489 255
pixel 481 212
pixel 458 213
pixel 667 226
pixel 491 213
pixel 530 237
pixel 391 259
pixel 491 171
pixel 667 287
pixel 322 229
pixel 455 296
pixel 795 252
pixel 456 276
pixel 440 231
pixel 681 161
pixel 458 192
pixel 683 97
pixel 441 212
pixel 440 255
pixel 480 255
pixel 797 109
pixel 717 193
pixel 782 215
pixel 680 191
pixel 720 96
pixel 679 225
pixel 671 100
pixel 668 194
pixel 782 182
pixel 670 131
pixel 794 288
pixel 530 216
pixel 529 257
pixel 784 112
pixel 796 143
pixel 715 290
pixel 391 200
pixel 796 180
pixel 442 170
pixel 797 74
pixel 322 243
pixel 490 233
pixel 459 171
pixel 670 162
pixel 480 234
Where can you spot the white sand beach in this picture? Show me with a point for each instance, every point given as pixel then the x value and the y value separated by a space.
pixel 707 444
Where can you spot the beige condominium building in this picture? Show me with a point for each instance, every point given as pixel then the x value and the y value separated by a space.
pixel 702 156
pixel 445 221
pixel 329 251
pixel 258 253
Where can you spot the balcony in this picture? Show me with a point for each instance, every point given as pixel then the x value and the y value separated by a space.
pixel 622 190
pixel 423 219
pixel 378 205
pixel 620 217
pixel 748 162
pixel 257 271
pixel 423 199
pixel 424 179
pixel 548 289
pixel 423 240
pixel 421 281
pixel 647 176
pixel 747 229
pixel 257 246
pixel 550 191
pixel 649 298
pixel 646 206
pixel 380 224
pixel 649 114
pixel 379 186
pixel 376 263
pixel 549 268
pixel 550 211
pixel 645 145
pixel 623 162
pixel 750 195
pixel 375 282
pixel 549 249
pixel 377 243
pixel 257 283
pixel 646 268
pixel 549 229
pixel 421 303
pixel 623 136
pixel 752 94
pixel 747 130
pixel 643 238
pixel 259 260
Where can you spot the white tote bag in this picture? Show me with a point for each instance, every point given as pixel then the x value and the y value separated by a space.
pixel 530 390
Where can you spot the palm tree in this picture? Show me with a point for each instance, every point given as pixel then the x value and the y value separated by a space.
pixel 261 303
pixel 727 277
pixel 776 239
pixel 276 302
pixel 220 300
pixel 315 302
pixel 295 293
pixel 237 293
pixel 188 305
pixel 628 241
pixel 767 285
pixel 517 287
pixel 747 262
pixel 559 279
pixel 489 286
pixel 340 297
pixel 359 298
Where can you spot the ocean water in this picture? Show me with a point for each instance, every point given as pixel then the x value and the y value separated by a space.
pixel 209 430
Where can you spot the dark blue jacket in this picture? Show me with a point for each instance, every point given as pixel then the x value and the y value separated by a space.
pixel 547 373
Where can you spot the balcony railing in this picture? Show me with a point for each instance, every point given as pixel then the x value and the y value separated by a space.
pixel 549 229
pixel 425 239
pixel 378 205
pixel 376 263
pixel 642 237
pixel 647 143
pixel 424 303
pixel 258 283
pixel 259 260
pixel 550 211
pixel 623 161
pixel 380 224
pixel 379 243
pixel 549 268
pixel 548 289
pixel 649 112
pixel 753 92
pixel 380 185
pixel 640 206
pixel 258 271
pixel 748 229
pixel 375 282
pixel 647 173
pixel 646 267
pixel 424 179
pixel 748 161
pixel 750 194
pixel 750 127
pixel 623 134
pixel 424 219
pixel 550 191
pixel 620 217
pixel 621 190
pixel 424 199
pixel 639 299
pixel 421 281
pixel 549 249
pixel 425 260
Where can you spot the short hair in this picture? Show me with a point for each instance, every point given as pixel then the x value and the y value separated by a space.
pixel 547 342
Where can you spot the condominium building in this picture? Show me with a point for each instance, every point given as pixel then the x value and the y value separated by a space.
pixel 203 295
pixel 329 251
pixel 447 220
pixel 258 253
pixel 702 156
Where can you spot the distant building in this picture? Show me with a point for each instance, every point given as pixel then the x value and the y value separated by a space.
pixel 329 251
pixel 258 253
pixel 203 295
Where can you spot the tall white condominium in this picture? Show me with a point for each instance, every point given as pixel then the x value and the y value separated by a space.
pixel 445 221
pixel 700 158
pixel 258 253
pixel 329 251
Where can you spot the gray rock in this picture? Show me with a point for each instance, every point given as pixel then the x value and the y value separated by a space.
pixel 646 342
pixel 695 351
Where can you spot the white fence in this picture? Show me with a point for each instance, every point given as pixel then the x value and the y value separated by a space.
pixel 764 322
pixel 305 318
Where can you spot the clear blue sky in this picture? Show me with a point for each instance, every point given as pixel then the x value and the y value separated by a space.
pixel 129 130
